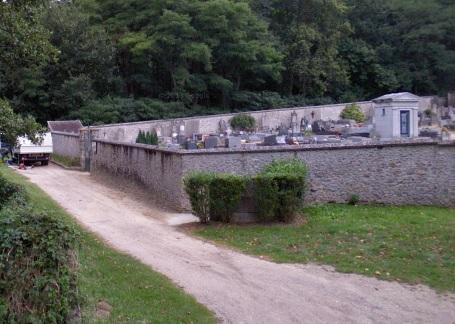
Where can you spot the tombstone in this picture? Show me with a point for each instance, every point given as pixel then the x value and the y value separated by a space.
pixel 190 145
pixel 211 142
pixel 283 130
pixel 233 142
pixel 181 139
pixel 182 128
pixel 223 126
pixel 270 140
pixel 158 131
pixel 318 127
pixel 303 124
pixel 281 140
pixel 294 124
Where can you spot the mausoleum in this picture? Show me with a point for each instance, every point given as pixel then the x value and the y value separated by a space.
pixel 396 115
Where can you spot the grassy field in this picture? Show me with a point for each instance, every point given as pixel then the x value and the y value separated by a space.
pixel 409 244
pixel 66 160
pixel 136 293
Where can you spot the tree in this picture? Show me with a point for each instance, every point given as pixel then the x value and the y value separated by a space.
pixel 310 31
pixel 13 125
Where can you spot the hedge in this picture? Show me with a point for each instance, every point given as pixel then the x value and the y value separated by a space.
pixel 214 196
pixel 278 190
pixel 37 263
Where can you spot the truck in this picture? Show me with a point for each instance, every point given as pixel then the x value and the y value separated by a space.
pixel 28 153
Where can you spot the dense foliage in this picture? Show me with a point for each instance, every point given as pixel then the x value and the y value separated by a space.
pixel 150 138
pixel 280 189
pixel 13 125
pixel 37 262
pixel 354 112
pixel 214 196
pixel 127 60
pixel 243 122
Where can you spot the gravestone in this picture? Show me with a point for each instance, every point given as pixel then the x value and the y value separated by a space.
pixel 191 145
pixel 233 142
pixel 181 139
pixel 281 140
pixel 211 142
pixel 270 140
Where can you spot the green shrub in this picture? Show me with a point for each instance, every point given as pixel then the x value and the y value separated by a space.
pixel 354 199
pixel 354 112
pixel 225 193
pixel 197 185
pixel 243 122
pixel 9 192
pixel 279 190
pixel 150 138
pixel 214 196
pixel 37 262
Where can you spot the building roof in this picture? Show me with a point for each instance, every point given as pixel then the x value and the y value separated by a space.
pixel 65 126
pixel 399 96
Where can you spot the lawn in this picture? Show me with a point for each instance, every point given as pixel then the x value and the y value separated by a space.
pixel 136 293
pixel 408 244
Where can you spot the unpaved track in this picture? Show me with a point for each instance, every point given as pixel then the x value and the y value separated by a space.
pixel 238 288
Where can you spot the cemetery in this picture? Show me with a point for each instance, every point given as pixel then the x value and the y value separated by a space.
pixel 372 149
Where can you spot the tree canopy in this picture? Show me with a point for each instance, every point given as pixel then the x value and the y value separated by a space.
pixel 127 60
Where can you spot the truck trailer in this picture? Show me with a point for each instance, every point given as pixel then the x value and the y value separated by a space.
pixel 28 153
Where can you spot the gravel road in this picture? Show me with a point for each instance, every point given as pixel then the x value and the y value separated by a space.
pixel 237 287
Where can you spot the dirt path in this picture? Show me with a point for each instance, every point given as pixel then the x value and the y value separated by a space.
pixel 238 288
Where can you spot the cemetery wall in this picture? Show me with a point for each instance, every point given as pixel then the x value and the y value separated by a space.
pixel 272 118
pixel 66 144
pixel 159 170
pixel 413 172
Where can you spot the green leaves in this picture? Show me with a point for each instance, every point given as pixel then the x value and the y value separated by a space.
pixel 13 125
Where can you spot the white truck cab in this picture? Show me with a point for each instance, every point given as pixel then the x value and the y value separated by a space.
pixel 28 153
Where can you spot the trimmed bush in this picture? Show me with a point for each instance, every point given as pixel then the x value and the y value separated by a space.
pixel 214 196
pixel 197 185
pixel 279 190
pixel 243 122
pixel 225 193
pixel 354 112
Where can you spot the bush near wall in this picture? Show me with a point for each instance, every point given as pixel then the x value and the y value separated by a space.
pixel 214 196
pixel 353 111
pixel 280 189
pixel 37 263
pixel 243 122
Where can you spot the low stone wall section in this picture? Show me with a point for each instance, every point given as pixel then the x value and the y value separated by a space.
pixel 403 173
pixel 66 144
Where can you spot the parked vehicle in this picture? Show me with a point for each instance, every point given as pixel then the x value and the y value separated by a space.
pixel 28 153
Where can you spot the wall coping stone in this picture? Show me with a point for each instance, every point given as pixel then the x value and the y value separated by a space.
pixel 65 134
pixel 286 148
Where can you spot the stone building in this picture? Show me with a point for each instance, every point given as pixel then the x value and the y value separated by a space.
pixel 396 115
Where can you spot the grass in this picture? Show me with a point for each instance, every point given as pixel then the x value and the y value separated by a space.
pixel 136 293
pixel 67 161
pixel 409 244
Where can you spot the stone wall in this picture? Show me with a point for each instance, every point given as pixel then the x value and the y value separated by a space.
pixel 159 170
pixel 66 144
pixel 272 118
pixel 415 172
